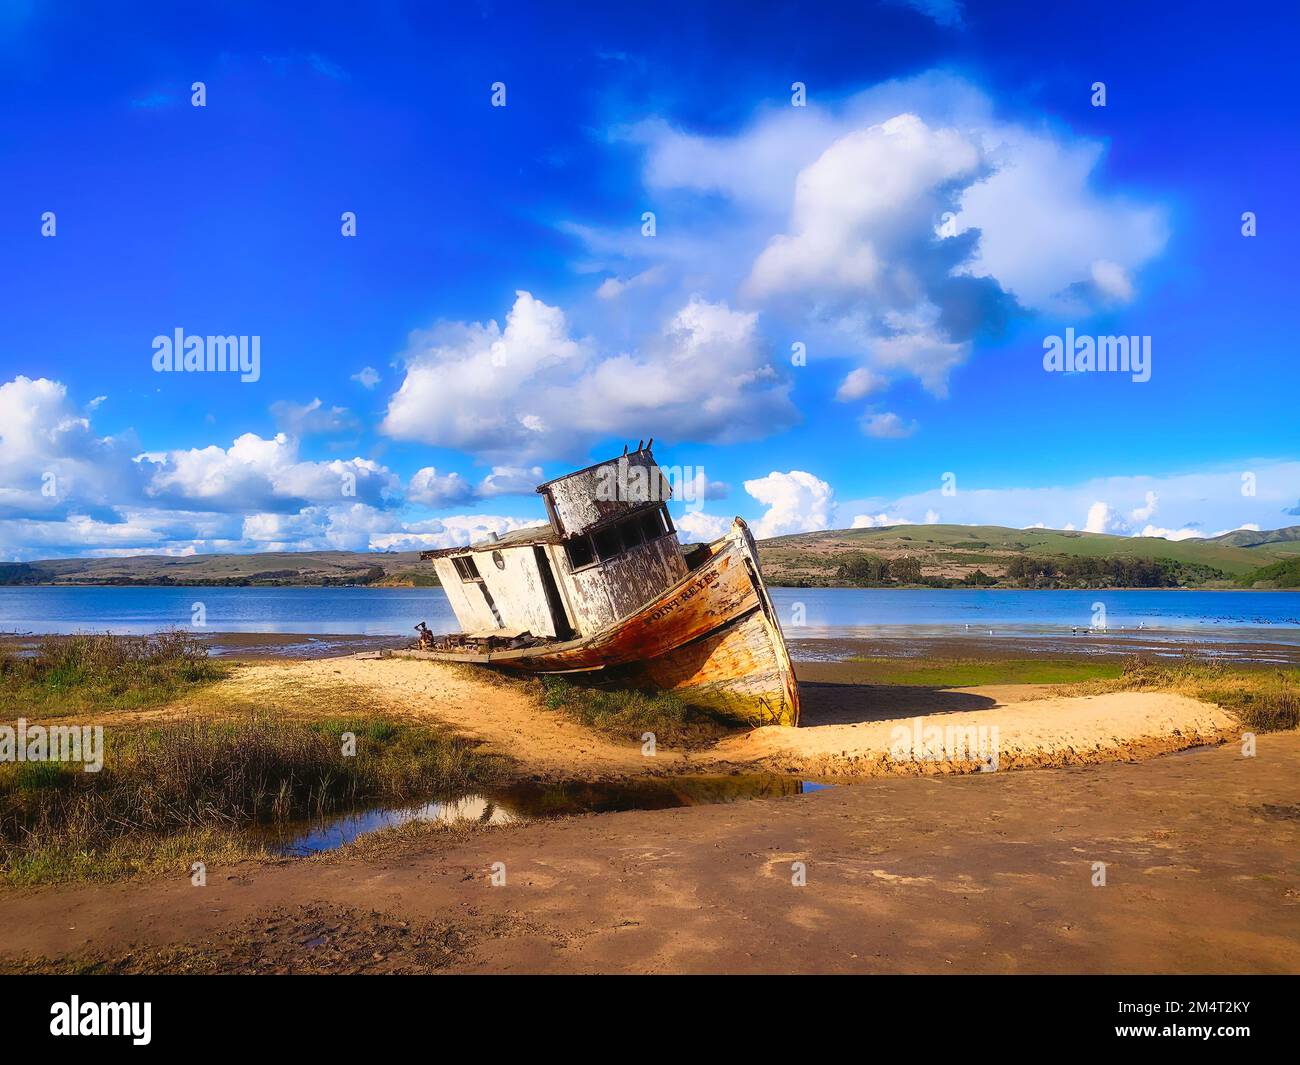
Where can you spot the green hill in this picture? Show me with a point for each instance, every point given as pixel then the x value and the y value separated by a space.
pixel 938 555
pixel 322 568
pixel 1287 539
pixel 1285 574
pixel 987 554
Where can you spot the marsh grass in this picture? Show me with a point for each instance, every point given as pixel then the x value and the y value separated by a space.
pixel 1262 699
pixel 969 672
pixel 194 786
pixel 92 673
pixel 629 714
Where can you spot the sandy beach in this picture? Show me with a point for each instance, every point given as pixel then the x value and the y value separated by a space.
pixel 850 725
pixel 848 728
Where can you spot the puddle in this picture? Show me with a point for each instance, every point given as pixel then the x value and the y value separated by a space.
pixel 529 800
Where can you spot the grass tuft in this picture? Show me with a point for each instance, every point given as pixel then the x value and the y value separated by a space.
pixel 98 672
pixel 199 778
pixel 630 714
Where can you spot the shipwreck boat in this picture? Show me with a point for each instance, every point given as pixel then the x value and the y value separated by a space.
pixel 605 587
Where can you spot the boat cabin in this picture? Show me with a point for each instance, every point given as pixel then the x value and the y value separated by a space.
pixel 608 548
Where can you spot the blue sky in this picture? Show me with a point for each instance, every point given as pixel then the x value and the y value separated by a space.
pixel 948 197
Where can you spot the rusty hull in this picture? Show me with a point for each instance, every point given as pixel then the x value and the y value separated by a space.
pixel 713 637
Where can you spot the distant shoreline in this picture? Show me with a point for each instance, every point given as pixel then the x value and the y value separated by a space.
pixel 830 651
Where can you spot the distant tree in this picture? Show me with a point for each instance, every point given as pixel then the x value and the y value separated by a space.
pixel 906 570
pixel 1284 574
pixel 858 567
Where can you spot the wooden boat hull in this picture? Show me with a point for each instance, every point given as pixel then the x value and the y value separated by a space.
pixel 713 637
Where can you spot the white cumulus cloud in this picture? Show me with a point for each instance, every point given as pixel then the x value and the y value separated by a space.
pixel 531 389
pixel 896 227
pixel 1102 518
pixel 64 490
pixel 1148 508
pixel 696 527
pixel 796 501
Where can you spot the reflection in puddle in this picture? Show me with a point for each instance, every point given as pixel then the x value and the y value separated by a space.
pixel 532 800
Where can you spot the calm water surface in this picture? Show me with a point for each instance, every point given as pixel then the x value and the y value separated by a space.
pixel 530 800
pixel 867 612
pixel 806 613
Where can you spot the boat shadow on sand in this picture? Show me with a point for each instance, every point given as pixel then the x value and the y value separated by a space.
pixel 830 703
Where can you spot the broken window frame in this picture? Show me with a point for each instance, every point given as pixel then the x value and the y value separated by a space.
pixel 467 569
pixel 650 523
pixel 607 541
pixel 586 546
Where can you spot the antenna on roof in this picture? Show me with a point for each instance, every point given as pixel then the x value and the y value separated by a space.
pixel 650 444
pixel 624 449
pixel 640 444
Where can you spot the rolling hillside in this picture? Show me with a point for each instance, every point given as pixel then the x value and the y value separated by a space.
pixel 274 568
pixel 956 552
pixel 945 553
pixel 1280 540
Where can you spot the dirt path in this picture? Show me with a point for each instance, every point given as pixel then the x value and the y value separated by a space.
pixel 500 712
pixel 979 873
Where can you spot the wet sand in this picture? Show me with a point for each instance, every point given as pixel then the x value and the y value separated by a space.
pixel 990 873
pixel 254 646
pixel 907 644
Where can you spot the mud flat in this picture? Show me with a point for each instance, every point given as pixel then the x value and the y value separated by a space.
pixel 982 873
pixel 253 646
pixel 915 642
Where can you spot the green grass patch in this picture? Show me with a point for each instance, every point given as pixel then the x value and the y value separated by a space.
pixel 969 672
pixel 94 673
pixel 174 789
pixel 630 714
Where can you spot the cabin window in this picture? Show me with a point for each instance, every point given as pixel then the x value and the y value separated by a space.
pixel 467 568
pixel 499 560
pixel 618 538
pixel 608 542
pixel 652 524
pixel 630 533
pixel 580 552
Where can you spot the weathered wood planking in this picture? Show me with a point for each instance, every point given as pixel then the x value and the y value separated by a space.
pixel 614 589
pixel 737 670
pixel 472 613
pixel 580 501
